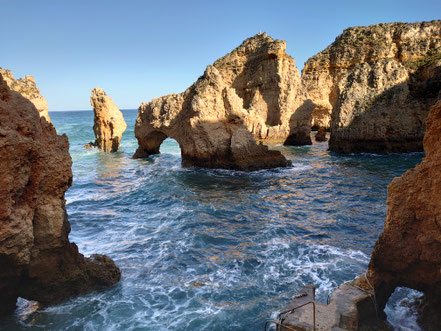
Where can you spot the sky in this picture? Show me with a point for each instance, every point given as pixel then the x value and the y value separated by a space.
pixel 139 50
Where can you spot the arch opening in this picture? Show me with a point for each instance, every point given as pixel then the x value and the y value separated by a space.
pixel 401 309
pixel 170 146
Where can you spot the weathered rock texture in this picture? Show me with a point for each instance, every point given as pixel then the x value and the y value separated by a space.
pixel 109 124
pixel 37 261
pixel 253 93
pixel 408 252
pixel 378 82
pixel 26 87
pixel 207 121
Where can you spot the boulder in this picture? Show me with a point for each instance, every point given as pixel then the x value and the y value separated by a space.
pixel 37 260
pixel 26 87
pixel 109 124
pixel 408 252
pixel 378 82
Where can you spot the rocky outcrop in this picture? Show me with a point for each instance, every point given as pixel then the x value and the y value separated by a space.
pixel 408 252
pixel 207 121
pixel 26 87
pixel 109 124
pixel 378 82
pixel 37 260
pixel 252 94
pixel 321 134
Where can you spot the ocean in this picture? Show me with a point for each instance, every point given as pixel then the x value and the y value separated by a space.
pixel 203 249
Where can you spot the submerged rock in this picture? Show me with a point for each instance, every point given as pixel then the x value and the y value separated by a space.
pixel 26 87
pixel 378 82
pixel 37 260
pixel 408 252
pixel 109 124
pixel 252 94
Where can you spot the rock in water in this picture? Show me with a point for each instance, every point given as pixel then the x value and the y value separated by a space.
pixel 207 121
pixel 379 82
pixel 252 94
pixel 37 260
pixel 109 124
pixel 408 252
pixel 26 87
pixel 321 134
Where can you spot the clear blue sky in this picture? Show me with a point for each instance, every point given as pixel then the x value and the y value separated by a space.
pixel 138 50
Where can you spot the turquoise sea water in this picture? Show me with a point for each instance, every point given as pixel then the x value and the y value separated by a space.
pixel 214 249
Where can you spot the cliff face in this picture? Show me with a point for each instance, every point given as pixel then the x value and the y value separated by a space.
pixel 109 124
pixel 408 252
pixel 26 87
pixel 269 84
pixel 252 94
pixel 378 82
pixel 207 121
pixel 38 261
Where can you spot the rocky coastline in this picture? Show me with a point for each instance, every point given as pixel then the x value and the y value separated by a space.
pixel 38 260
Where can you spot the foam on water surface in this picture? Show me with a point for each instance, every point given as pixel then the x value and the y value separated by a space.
pixel 204 249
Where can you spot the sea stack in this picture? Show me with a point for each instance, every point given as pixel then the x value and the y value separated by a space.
pixel 379 83
pixel 408 252
pixel 26 87
pixel 109 124
pixel 252 95
pixel 37 260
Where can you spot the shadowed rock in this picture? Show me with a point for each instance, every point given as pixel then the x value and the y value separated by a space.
pixel 408 252
pixel 37 260
pixel 109 124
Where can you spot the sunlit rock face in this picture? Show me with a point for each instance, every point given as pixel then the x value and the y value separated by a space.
pixel 109 124
pixel 26 87
pixel 378 82
pixel 408 252
pixel 207 121
pixel 252 94
pixel 37 260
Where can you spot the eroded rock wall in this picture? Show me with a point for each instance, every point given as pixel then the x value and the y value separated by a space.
pixel 408 252
pixel 26 87
pixel 109 124
pixel 37 260
pixel 378 82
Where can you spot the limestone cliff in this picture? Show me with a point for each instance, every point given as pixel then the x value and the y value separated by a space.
pixel 109 124
pixel 207 121
pixel 408 252
pixel 252 94
pixel 37 260
pixel 378 82
pixel 26 87
pixel 267 80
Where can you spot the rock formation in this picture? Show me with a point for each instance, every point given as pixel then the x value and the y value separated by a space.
pixel 109 124
pixel 253 91
pixel 379 82
pixel 37 260
pixel 26 87
pixel 321 134
pixel 207 121
pixel 408 252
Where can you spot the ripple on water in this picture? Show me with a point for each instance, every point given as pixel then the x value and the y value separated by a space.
pixel 213 249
